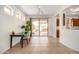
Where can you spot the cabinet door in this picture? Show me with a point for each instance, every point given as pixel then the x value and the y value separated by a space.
pixel 75 22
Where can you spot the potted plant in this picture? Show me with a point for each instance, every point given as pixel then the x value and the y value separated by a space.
pixel 27 26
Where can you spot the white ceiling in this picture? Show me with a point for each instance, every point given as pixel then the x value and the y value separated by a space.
pixel 46 9
pixel 70 11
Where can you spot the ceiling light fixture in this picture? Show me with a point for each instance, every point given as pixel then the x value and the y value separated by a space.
pixel 40 11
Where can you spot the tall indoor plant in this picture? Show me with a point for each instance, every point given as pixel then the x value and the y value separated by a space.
pixel 27 26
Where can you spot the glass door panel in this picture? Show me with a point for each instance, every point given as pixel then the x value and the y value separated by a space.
pixel 35 27
pixel 43 27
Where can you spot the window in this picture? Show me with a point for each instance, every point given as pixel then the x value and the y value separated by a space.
pixel 23 17
pixel 8 10
pixel 18 14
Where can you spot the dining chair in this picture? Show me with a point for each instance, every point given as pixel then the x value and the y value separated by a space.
pixel 27 37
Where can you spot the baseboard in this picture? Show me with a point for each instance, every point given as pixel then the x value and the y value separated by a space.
pixel 69 46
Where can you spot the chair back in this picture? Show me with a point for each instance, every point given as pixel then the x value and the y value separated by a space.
pixel 28 34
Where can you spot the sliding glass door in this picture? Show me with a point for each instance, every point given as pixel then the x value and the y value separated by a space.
pixel 43 27
pixel 35 27
pixel 39 27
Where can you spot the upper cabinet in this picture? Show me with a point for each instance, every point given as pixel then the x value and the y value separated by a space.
pixel 75 22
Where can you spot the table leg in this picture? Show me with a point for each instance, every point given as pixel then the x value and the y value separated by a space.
pixel 21 42
pixel 10 41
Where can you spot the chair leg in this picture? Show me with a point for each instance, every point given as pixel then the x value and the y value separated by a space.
pixel 27 41
pixel 21 42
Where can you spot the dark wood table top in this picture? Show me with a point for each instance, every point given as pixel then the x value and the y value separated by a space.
pixel 18 34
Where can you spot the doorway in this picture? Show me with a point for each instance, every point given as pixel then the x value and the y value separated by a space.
pixel 39 27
